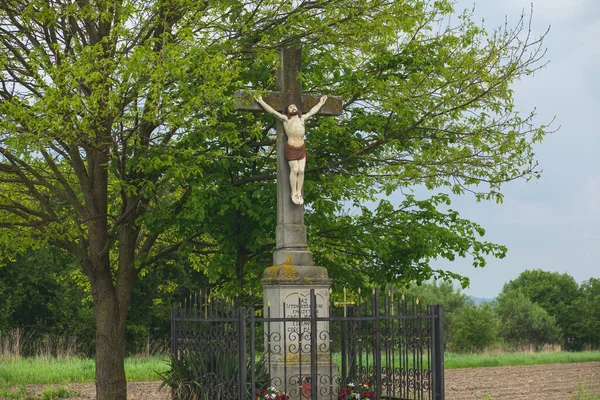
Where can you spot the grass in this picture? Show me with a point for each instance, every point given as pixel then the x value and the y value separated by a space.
pixel 47 370
pixel 50 393
pixel 453 361
pixel 51 370
pixel 58 393
pixel 7 393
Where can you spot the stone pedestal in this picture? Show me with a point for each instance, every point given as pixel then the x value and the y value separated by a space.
pixel 288 345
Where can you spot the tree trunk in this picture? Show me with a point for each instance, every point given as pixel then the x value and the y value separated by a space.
pixel 110 347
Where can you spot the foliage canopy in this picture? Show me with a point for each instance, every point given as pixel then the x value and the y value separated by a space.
pixel 118 142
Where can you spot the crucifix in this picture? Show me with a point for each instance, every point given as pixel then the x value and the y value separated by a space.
pixel 291 241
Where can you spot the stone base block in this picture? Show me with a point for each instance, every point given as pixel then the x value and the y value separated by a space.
pixel 299 256
pixel 296 380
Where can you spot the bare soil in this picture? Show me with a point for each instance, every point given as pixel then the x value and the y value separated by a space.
pixel 135 390
pixel 536 382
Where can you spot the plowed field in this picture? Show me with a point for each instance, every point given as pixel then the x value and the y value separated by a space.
pixel 535 382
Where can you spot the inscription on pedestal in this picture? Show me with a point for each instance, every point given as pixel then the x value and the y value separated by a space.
pixel 297 305
pixel 291 339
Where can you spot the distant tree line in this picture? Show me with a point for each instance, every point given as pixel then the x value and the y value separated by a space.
pixel 535 309
pixel 43 292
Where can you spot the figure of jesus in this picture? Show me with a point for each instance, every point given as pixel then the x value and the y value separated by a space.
pixel 295 148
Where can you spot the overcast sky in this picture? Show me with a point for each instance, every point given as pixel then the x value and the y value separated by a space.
pixel 552 223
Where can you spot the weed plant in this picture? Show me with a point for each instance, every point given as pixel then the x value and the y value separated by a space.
pixel 18 343
pixel 587 392
pixel 62 392
pixel 50 393
pixel 15 393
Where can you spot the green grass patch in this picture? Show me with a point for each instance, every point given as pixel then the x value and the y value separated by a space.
pixel 45 370
pixel 58 393
pixel 50 393
pixel 16 393
pixel 145 368
pixel 453 361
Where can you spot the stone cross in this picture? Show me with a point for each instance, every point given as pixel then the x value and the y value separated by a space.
pixel 291 241
pixel 288 283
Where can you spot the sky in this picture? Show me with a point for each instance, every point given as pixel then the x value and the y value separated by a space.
pixel 552 223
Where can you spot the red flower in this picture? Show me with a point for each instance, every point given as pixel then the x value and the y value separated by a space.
pixel 346 392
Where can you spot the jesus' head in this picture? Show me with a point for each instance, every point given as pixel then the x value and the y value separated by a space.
pixel 292 110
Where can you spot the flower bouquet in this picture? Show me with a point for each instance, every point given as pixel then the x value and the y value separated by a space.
pixel 351 391
pixel 271 393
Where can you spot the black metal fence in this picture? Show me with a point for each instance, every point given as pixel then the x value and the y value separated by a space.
pixel 383 347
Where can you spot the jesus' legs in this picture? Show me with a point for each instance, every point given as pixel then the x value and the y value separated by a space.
pixel 297 180
pixel 300 182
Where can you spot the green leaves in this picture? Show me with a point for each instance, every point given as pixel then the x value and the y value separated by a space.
pixel 524 322
pixel 387 244
pixel 121 114
pixel 555 293
pixel 474 328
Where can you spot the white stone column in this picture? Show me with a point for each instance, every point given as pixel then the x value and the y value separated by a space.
pixel 288 344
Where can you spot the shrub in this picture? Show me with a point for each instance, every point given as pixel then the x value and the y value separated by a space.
pixel 202 375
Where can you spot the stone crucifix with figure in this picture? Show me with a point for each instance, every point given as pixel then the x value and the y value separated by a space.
pixel 295 148
pixel 291 108
pixel 287 284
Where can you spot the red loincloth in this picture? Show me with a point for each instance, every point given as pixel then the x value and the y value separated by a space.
pixel 295 153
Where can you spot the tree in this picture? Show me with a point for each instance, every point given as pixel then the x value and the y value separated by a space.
pixel 475 328
pixel 44 292
pixel 555 293
pixel 587 306
pixel 450 297
pixel 118 144
pixel 523 322
pixel 39 294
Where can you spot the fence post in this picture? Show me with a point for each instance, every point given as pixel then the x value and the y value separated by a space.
pixel 437 352
pixel 313 345
pixel 252 355
pixel 351 345
pixel 243 394
pixel 343 344
pixel 377 343
pixel 173 332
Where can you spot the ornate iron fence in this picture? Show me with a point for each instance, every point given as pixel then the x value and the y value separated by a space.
pixel 231 352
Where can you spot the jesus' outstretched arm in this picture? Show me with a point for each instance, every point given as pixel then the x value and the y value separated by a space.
pixel 315 109
pixel 270 109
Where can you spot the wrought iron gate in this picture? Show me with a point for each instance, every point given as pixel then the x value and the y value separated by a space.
pixel 382 347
